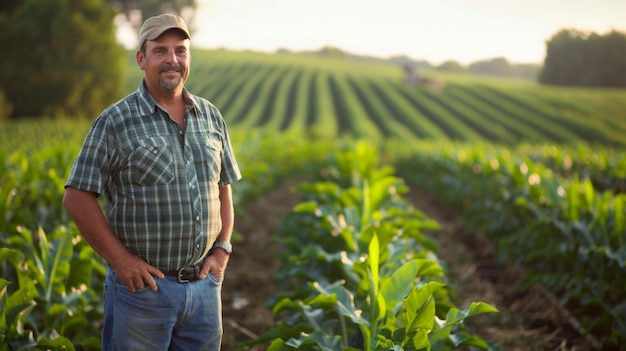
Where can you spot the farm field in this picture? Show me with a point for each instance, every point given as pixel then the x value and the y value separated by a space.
pixel 331 97
pixel 537 174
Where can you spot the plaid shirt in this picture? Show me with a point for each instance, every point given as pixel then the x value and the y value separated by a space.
pixel 161 184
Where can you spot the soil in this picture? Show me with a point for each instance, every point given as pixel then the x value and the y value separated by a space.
pixel 529 318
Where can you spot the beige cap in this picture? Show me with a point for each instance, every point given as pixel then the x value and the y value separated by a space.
pixel 153 27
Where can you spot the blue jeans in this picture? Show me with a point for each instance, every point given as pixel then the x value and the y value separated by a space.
pixel 179 316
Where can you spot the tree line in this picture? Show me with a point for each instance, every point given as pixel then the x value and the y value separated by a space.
pixel 62 57
pixel 573 58
pixel 498 66
pixel 577 58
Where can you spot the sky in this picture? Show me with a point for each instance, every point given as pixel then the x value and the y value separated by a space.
pixel 437 30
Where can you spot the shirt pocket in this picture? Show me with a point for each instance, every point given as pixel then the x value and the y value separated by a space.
pixel 211 152
pixel 152 162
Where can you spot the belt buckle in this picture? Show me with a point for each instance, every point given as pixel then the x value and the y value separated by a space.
pixel 180 276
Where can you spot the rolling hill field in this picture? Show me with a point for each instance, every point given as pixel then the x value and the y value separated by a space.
pixel 334 97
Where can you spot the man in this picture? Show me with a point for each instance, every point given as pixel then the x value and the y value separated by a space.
pixel 163 160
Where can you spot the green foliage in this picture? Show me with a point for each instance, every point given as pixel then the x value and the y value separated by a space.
pixel 12 307
pixel 578 58
pixel 53 303
pixel 62 58
pixel 451 66
pixel 32 189
pixel 498 67
pixel 545 216
pixel 52 273
pixel 359 274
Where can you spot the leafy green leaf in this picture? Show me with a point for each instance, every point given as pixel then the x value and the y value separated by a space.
pixel 337 295
pixel 464 339
pixel 456 316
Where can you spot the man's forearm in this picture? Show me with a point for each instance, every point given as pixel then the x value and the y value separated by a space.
pixel 227 213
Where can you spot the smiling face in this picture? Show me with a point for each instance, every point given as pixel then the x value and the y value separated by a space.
pixel 166 62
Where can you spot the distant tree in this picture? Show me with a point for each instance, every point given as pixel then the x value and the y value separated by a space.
pixel 136 11
pixel 332 51
pixel 451 66
pixel 577 58
pixel 499 66
pixel 60 57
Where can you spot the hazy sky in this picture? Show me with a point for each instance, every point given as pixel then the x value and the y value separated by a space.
pixel 436 30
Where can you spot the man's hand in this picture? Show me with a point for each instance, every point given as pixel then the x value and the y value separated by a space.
pixel 215 264
pixel 84 209
pixel 137 273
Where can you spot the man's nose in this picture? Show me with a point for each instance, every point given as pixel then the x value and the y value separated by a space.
pixel 171 57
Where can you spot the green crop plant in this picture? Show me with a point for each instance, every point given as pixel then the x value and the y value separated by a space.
pixel 567 235
pixel 360 274
pixel 50 297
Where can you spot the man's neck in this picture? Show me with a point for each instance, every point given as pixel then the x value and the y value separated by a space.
pixel 166 97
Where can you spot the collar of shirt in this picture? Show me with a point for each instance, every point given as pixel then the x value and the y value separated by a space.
pixel 147 104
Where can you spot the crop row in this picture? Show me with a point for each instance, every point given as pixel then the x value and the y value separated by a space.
pixel 329 102
pixel 556 208
pixel 567 234
pixel 358 273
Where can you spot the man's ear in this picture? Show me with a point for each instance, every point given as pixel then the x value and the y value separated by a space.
pixel 141 58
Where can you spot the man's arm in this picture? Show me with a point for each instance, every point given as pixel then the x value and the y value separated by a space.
pixel 84 209
pixel 217 261
pixel 227 212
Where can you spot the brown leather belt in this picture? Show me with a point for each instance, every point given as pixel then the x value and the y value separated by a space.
pixel 185 274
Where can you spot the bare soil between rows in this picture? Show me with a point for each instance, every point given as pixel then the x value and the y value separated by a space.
pixel 529 318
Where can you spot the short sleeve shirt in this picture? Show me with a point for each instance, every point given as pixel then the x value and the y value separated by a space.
pixel 160 181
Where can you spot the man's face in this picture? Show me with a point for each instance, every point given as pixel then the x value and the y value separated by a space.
pixel 166 62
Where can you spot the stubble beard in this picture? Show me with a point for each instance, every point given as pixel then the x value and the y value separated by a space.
pixel 171 85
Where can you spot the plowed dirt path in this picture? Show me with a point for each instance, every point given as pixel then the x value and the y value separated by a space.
pixel 529 319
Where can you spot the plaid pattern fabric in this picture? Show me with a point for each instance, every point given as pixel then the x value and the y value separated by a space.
pixel 161 184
